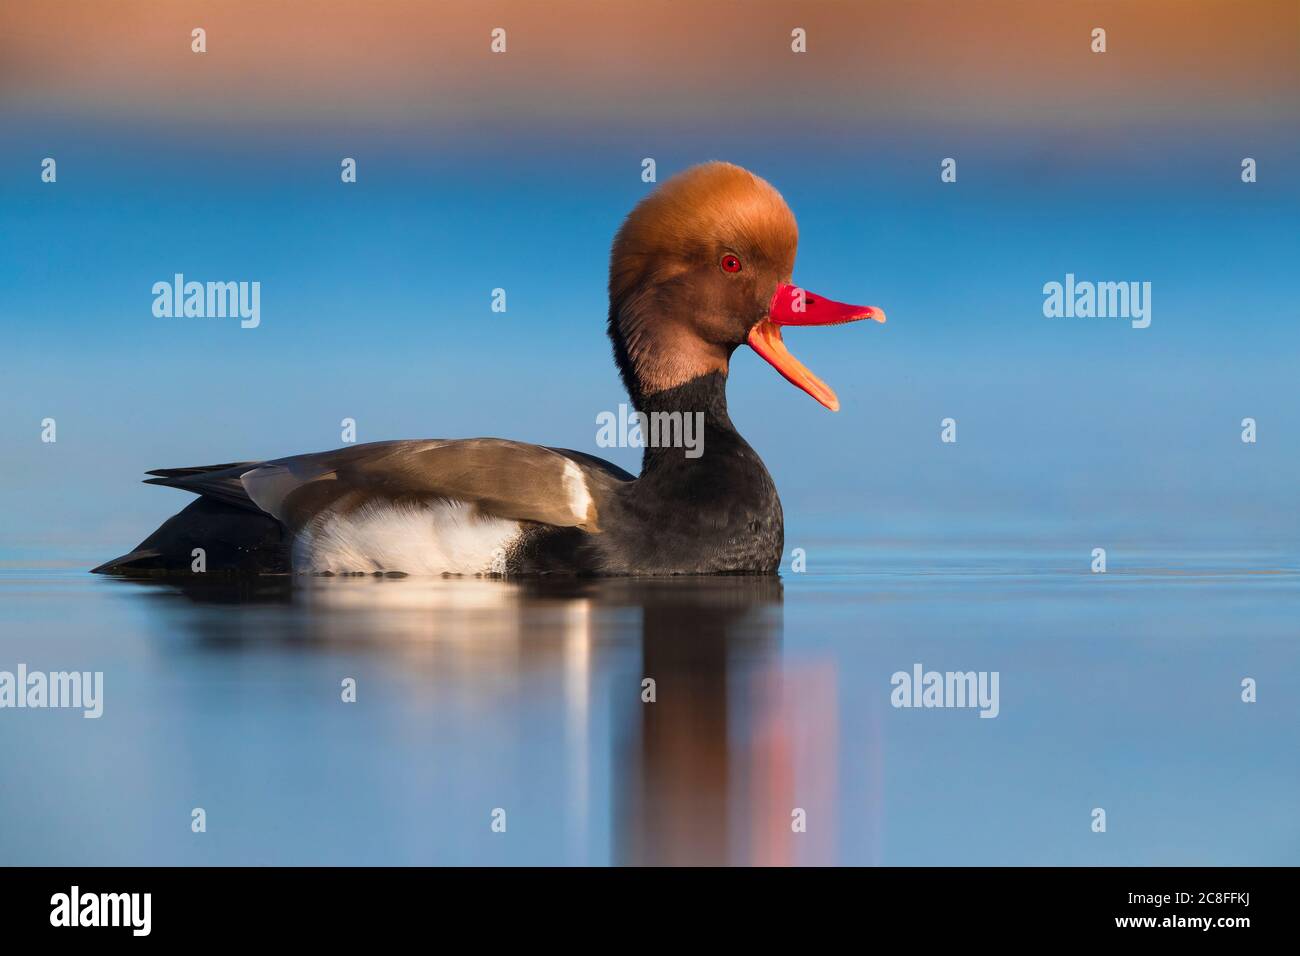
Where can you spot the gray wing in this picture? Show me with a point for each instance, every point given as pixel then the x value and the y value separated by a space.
pixel 502 478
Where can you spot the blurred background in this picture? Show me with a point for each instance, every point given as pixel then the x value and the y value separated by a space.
pixel 478 171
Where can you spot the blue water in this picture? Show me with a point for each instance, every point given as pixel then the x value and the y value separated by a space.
pixel 1119 691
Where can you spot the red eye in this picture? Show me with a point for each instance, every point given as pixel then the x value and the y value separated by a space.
pixel 730 263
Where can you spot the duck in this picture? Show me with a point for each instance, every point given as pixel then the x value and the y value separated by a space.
pixel 700 267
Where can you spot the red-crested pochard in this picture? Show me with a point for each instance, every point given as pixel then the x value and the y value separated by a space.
pixel 701 266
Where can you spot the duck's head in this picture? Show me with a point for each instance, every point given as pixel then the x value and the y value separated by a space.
pixel 703 265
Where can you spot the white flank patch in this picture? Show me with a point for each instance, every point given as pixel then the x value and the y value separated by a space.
pixel 575 486
pixel 442 537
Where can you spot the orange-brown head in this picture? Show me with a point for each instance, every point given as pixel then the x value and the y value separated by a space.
pixel 702 265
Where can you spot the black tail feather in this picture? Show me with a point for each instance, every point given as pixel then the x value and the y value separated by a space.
pixel 198 469
pixel 233 537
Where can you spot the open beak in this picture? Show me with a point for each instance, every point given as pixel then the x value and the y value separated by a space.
pixel 792 305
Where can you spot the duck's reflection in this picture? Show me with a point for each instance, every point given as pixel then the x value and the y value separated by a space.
pixel 686 673
pixel 702 645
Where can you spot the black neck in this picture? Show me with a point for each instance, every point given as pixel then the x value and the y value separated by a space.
pixel 718 512
pixel 706 394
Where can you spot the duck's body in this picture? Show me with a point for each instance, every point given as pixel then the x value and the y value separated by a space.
pixel 449 507
pixel 491 506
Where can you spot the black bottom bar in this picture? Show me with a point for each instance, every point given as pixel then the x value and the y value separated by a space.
pixel 330 905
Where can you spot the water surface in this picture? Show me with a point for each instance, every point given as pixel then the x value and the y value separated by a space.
pixel 1120 691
